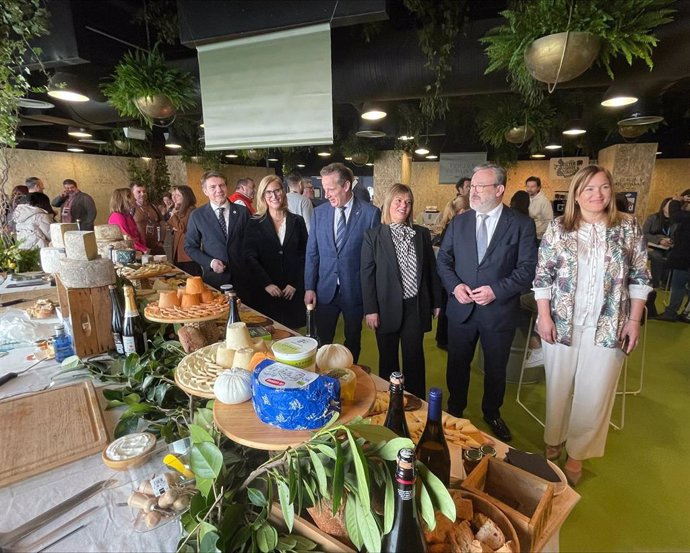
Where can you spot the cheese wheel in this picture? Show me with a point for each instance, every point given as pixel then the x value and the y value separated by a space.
pixel 110 233
pixel 168 298
pixel 80 244
pixel 207 296
pixel 243 358
pixel 188 300
pixel 57 231
pixel 78 273
pixel 237 336
pixel 225 357
pixel 50 258
pixel 195 285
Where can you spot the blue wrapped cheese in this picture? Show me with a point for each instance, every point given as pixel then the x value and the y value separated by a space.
pixel 293 399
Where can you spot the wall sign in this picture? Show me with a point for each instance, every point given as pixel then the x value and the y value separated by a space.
pixel 563 168
pixel 454 166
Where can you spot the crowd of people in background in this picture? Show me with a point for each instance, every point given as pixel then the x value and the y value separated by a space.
pixel 584 274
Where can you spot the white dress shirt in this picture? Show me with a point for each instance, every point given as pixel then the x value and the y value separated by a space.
pixel 491 221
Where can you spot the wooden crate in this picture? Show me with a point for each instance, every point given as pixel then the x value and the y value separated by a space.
pixel 525 498
pixel 90 311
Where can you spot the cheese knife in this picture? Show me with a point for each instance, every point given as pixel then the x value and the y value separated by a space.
pixel 7 539
pixel 11 302
pixel 62 532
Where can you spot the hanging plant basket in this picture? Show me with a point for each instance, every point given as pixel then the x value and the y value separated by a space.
pixel 155 107
pixel 519 135
pixel 561 57
pixel 632 131
pixel 360 158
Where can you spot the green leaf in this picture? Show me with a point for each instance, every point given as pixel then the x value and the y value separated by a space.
pixel 389 504
pixel 440 497
pixel 256 497
pixel 205 528
pixel 372 432
pixel 369 530
pixel 198 506
pixel 285 505
pixel 338 477
pixel 131 399
pixel 320 473
pixel 266 538
pixel 426 505
pixel 203 417
pixel 204 485
pixel 208 543
pixel 198 434
pixel 389 452
pixel 304 544
pixel 361 471
pixel 71 362
pixel 351 524
pixel 286 543
pixel 327 451
pixel 206 460
pixel 126 426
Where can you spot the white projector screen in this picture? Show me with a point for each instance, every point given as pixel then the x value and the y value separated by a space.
pixel 269 90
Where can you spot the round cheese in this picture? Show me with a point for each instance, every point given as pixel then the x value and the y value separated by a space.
pixel 243 357
pixel 110 233
pixel 58 230
pixel 50 258
pixel 225 357
pixel 237 336
pixel 77 273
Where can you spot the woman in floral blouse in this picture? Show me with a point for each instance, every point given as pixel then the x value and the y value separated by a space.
pixel 591 285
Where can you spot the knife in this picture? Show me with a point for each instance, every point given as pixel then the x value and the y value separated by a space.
pixel 12 537
pixel 61 533
pixel 11 302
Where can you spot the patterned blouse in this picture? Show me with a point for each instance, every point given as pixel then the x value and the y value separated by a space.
pixel 625 275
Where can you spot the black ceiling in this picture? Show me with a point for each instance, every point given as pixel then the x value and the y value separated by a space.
pixel 88 37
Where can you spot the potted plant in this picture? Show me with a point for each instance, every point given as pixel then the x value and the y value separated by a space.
pixel 510 119
pixel 612 29
pixel 144 86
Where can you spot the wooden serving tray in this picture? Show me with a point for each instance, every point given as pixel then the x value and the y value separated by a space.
pixel 41 431
pixel 240 423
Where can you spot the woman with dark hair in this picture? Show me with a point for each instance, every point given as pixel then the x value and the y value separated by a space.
pixel 401 289
pixel 591 284
pixel 17 192
pixel 275 244
pixel 121 205
pixel 658 231
pixel 184 203
pixel 32 218
pixel 520 202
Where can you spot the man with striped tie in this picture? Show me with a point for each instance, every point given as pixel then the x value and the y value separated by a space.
pixel 331 273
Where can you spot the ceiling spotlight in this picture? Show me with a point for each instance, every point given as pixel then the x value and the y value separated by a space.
pixel 171 140
pixel 553 145
pixel 231 156
pixel 618 95
pixel 369 164
pixel 201 125
pixel 79 132
pixel 373 112
pixel 301 165
pixel 94 141
pixel 348 158
pixel 575 127
pixel 422 150
pixel 432 156
pixel 324 153
pixel 146 158
pixel 75 150
pixel 659 153
pixel 537 156
pixel 272 159
pixel 406 137
pixel 67 87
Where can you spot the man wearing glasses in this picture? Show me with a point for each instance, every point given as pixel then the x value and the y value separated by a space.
pixel 487 259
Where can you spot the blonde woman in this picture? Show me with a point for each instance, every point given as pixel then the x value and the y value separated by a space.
pixel 121 205
pixel 591 285
pixel 275 242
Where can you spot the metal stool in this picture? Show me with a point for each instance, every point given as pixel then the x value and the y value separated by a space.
pixel 522 372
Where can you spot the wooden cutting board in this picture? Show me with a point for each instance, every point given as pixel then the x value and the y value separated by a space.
pixel 48 429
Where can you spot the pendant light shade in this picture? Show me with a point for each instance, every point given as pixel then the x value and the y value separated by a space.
pixel 171 140
pixel 373 111
pixel 67 87
pixel 618 95
pixel 575 127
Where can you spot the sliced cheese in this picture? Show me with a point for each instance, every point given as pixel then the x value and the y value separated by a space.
pixel 58 230
pixel 80 244
pixel 78 273
pixel 110 233
pixel 50 258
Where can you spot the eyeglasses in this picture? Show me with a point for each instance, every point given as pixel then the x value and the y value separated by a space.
pixel 480 187
pixel 276 192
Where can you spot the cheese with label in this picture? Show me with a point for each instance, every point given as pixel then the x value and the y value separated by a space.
pixel 50 258
pixel 293 399
pixel 57 232
pixel 80 244
pixel 104 246
pixel 111 233
pixel 78 273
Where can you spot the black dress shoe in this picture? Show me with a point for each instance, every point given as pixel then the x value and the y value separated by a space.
pixel 683 318
pixel 668 317
pixel 499 428
pixel 455 412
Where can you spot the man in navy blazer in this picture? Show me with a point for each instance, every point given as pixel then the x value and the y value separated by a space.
pixel 214 244
pixel 487 259
pixel 331 272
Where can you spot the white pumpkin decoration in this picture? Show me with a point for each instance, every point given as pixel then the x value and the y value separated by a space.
pixel 333 356
pixel 233 386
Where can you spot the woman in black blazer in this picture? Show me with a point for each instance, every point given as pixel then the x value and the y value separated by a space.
pixel 275 242
pixel 400 288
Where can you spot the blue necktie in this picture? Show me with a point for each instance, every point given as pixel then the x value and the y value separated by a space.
pixel 221 220
pixel 340 230
pixel 482 237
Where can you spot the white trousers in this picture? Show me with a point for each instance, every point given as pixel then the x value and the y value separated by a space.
pixel 581 382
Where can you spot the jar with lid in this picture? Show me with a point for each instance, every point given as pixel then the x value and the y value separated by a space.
pixel 471 458
pixel 62 344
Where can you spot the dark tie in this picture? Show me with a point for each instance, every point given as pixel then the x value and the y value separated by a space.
pixel 340 229
pixel 221 220
pixel 482 237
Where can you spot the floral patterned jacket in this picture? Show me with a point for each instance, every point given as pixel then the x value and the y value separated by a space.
pixel 625 263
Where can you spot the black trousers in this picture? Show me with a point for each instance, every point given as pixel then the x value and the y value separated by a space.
pixel 462 341
pixel 327 318
pixel 409 338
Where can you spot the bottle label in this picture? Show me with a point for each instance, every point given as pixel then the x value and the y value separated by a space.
pixel 117 338
pixel 129 344
pixel 406 495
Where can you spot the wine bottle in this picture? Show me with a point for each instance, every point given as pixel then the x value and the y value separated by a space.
pixel 231 295
pixel 116 319
pixel 406 533
pixel 395 418
pixel 432 449
pixel 133 333
pixel 311 323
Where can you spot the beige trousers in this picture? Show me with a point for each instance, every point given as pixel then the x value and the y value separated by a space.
pixel 581 385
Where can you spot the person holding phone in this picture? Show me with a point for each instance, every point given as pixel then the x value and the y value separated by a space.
pixel 591 285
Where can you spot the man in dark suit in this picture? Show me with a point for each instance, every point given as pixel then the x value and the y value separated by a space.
pixel 215 234
pixel 331 274
pixel 487 259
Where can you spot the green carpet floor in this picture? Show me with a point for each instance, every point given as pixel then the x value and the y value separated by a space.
pixel 636 497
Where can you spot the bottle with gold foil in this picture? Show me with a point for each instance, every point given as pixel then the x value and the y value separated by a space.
pixel 133 332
